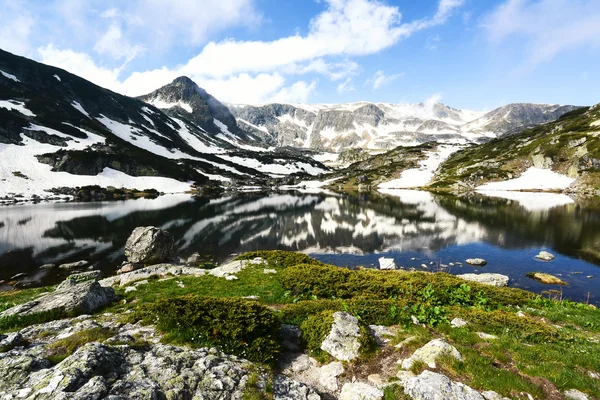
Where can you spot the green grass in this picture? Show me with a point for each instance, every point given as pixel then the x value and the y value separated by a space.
pixel 15 297
pixel 63 348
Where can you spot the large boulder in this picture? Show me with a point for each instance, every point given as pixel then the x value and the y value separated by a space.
pixel 497 280
pixel 149 245
pixel 343 339
pixel 431 352
pixel 83 298
pixel 431 385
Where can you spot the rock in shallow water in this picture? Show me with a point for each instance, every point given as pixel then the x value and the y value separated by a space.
pixel 478 262
pixel 387 263
pixel 545 256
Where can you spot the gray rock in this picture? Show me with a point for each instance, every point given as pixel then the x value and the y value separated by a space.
pixel 381 334
pixel 47 266
pixel 430 352
pixel 149 245
pixel 342 342
pixel 291 337
pixel 285 388
pixel 360 391
pixel 497 280
pixel 478 262
pixel 433 386
pixel 458 323
pixel 487 336
pixel 491 395
pixel 74 279
pixel 85 298
pixel 328 375
pixel 545 256
pixel 574 394
pixel 387 263
pixel 74 265
pixel 11 340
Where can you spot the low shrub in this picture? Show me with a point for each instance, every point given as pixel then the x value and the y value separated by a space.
pixel 241 327
pixel 16 321
pixel 330 282
pixel 503 322
pixel 280 258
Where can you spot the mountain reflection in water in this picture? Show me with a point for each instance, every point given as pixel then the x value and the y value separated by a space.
pixel 341 229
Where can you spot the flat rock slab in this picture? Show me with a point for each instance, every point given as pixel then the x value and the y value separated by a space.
pixel 360 391
pixel 154 270
pixel 431 385
pixel 75 265
pixel 497 280
pixel 85 298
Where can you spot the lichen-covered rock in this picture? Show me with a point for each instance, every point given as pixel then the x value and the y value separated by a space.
pixel 497 280
pixel 381 334
pixel 149 245
pixel 154 270
pixel 360 391
pixel 85 297
pixel 343 339
pixel 328 375
pixel 285 388
pixel 430 352
pixel 75 279
pixel 432 386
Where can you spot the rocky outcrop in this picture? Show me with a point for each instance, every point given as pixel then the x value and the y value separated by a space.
pixel 147 272
pixel 431 385
pixel 343 340
pixel 85 297
pixel 149 245
pixel 429 353
pixel 497 280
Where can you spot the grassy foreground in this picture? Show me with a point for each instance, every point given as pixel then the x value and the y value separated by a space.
pixel 542 345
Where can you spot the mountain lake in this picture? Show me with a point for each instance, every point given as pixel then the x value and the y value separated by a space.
pixel 419 230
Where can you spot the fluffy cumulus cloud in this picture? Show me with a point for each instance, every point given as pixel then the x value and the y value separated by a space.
pixel 243 71
pixel 548 27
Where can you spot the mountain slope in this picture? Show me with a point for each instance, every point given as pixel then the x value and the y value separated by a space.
pixel 57 129
pixel 381 126
pixel 569 146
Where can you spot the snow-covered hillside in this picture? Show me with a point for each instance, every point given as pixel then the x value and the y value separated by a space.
pixel 58 130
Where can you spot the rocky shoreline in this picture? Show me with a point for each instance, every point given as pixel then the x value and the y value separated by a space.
pixel 94 338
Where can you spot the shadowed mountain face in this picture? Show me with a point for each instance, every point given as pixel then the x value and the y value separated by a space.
pixel 54 122
pixel 183 97
pixel 345 230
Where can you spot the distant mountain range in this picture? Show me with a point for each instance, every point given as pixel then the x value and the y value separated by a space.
pixel 379 126
pixel 59 130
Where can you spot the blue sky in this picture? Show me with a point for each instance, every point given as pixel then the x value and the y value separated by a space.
pixel 475 54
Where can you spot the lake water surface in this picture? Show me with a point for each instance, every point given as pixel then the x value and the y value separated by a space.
pixel 413 227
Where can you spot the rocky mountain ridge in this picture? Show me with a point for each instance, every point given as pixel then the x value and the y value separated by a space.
pixel 382 126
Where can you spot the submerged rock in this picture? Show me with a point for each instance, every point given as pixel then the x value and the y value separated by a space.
pixel 545 256
pixel 149 245
pixel 431 352
pixel 343 339
pixel 478 262
pixel 546 278
pixel 497 280
pixel 85 298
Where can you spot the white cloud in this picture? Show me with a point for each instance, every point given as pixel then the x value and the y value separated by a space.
pixel 15 29
pixel 110 13
pixel 548 26
pixel 114 45
pixel 82 65
pixel 346 86
pixel 379 79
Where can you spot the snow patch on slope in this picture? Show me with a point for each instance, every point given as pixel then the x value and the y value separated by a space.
pixel 532 179
pixel 160 103
pixel 80 108
pixel 17 106
pixel 418 177
pixel 9 76
pixel 57 78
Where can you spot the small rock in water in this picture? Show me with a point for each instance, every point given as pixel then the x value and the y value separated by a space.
pixel 545 256
pixel 451 264
pixel 546 278
pixel 19 275
pixel 478 262
pixel 387 263
pixel 74 265
pixel 47 266
pixel 590 276
pixel 413 258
